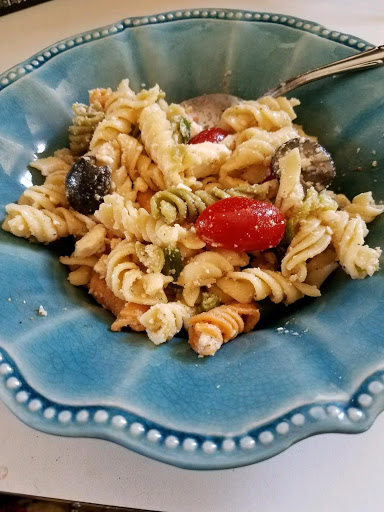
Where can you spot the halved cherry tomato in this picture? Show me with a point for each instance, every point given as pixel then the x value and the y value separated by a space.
pixel 209 135
pixel 241 224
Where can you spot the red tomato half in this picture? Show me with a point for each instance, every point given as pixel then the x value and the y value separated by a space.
pixel 210 135
pixel 241 224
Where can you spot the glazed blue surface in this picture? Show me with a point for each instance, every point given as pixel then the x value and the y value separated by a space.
pixel 310 376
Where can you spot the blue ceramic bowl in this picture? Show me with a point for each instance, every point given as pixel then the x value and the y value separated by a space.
pixel 67 374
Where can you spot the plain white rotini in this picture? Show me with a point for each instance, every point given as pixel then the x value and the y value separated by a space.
pixel 163 321
pixel 290 191
pixel 47 196
pixel 364 206
pixel 267 113
pixel 62 160
pixel 124 220
pixel 257 284
pixel 251 159
pixel 51 193
pixel 122 110
pixel 357 259
pixel 312 239
pixel 128 282
pixel 157 136
pixel 202 270
pixel 111 154
pixel 45 225
pixel 85 256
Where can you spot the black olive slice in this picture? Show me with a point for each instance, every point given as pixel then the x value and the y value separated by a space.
pixel 86 184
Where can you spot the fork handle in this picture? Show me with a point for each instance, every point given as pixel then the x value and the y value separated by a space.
pixel 368 58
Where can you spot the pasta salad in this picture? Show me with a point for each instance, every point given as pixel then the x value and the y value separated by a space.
pixel 180 227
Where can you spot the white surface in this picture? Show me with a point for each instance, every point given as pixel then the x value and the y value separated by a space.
pixel 325 473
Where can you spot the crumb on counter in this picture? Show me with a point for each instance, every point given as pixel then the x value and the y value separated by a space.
pixel 358 150
pixel 9 299
pixel 374 163
pixel 41 311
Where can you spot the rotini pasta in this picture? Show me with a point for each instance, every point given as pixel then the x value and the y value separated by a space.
pixel 99 95
pixel 122 110
pixel 251 158
pixel 84 123
pixel 124 220
pixel 266 113
pixel 45 225
pixel 52 193
pixel 321 266
pixel 364 206
pixel 312 239
pixel 163 321
pixel 358 260
pixel 129 316
pixel 208 331
pixel 128 282
pixel 202 270
pixel 313 204
pixel 257 284
pixel 167 242
pixel 157 135
pixel 290 190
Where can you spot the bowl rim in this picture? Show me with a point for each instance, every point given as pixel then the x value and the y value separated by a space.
pixel 187 450
pixel 37 60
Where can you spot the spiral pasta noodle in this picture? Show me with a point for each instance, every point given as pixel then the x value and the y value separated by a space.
pixel 163 321
pixel 51 193
pixel 55 168
pixel 85 256
pixel 45 225
pixel 290 191
pixel 312 205
pixel 100 95
pixel 357 259
pixel 148 175
pixel 128 282
pixel 252 155
pixel 267 113
pixel 364 206
pixel 47 196
pixel 129 316
pixel 312 239
pixel 257 284
pixel 122 110
pixel 157 135
pixel 208 331
pixel 202 270
pixel 124 220
pixel 60 162
pixel 84 123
